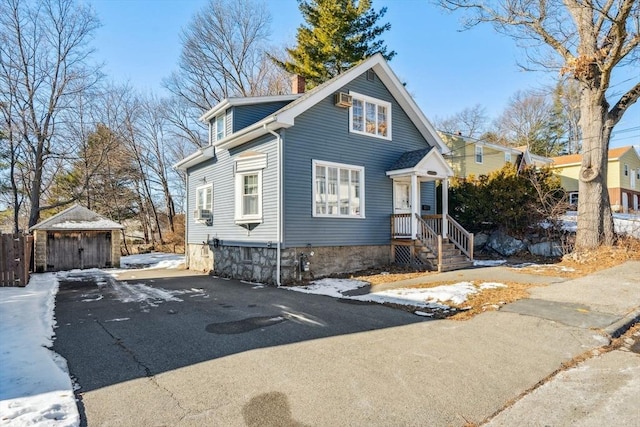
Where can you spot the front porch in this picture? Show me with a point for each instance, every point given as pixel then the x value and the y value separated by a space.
pixel 434 242
pixel 419 241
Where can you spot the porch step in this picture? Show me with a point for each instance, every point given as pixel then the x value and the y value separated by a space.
pixel 456 266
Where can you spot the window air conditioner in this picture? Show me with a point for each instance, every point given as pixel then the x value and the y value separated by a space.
pixel 202 214
pixel 343 100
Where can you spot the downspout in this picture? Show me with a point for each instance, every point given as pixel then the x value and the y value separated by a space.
pixel 186 221
pixel 278 203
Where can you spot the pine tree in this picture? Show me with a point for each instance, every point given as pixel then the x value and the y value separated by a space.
pixel 338 34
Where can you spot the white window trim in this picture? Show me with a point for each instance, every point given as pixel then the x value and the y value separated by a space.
pixel 204 187
pixel 239 217
pixel 213 128
pixel 571 197
pixel 479 150
pixel 360 169
pixel 507 157
pixel 626 170
pixel 372 100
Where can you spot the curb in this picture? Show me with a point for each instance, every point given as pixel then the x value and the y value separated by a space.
pixel 618 328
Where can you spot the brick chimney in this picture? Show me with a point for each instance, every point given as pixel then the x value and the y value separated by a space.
pixel 297 84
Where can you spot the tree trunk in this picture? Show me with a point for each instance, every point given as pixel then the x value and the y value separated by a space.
pixel 595 223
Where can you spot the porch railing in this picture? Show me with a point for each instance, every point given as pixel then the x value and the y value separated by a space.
pixel 430 238
pixel 460 237
pixel 401 225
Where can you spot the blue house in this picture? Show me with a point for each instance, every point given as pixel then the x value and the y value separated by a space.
pixel 338 179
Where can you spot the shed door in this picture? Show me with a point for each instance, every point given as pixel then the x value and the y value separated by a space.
pixel 78 249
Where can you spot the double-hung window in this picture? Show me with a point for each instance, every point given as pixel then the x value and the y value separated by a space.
pixel 204 202
pixel 338 190
pixel 217 129
pixel 479 153
pixel 507 157
pixel 248 183
pixel 370 116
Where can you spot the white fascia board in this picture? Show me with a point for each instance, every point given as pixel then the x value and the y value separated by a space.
pixel 408 104
pixel 439 160
pixel 221 106
pixel 249 133
pixel 249 100
pixel 288 116
pixel 198 157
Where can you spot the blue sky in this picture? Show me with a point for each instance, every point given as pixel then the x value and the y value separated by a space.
pixel 446 70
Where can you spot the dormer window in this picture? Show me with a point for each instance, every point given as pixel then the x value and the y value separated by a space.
pixel 218 128
pixel 370 116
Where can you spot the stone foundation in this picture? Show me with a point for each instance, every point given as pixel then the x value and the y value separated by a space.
pixel 200 257
pixel 246 263
pixel 259 264
pixel 330 260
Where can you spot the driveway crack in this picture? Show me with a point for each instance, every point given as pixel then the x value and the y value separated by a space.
pixel 146 369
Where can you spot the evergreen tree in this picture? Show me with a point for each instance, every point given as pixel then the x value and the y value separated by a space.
pixel 337 35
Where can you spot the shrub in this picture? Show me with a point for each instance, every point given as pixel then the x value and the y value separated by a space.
pixel 511 200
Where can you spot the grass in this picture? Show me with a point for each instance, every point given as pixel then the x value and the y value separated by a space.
pixel 570 266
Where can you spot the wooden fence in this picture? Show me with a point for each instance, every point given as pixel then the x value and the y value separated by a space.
pixel 15 259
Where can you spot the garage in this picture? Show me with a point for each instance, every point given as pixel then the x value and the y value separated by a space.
pixel 76 238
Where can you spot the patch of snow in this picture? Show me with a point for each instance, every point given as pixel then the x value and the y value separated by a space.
pixel 492 285
pixel 422 313
pixel 119 319
pixel 432 298
pixel 152 260
pixel 330 287
pixel 35 387
pixel 142 293
pixel 99 224
pixel 488 262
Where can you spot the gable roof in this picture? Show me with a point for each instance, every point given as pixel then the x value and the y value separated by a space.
pixel 77 218
pixel 285 117
pixel 573 159
pixel 425 162
pixel 410 159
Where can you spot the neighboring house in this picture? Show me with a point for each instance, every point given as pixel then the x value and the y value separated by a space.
pixel 623 177
pixel 330 181
pixel 76 238
pixel 473 157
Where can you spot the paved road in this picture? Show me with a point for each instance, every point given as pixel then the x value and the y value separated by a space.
pixel 196 351
pixel 111 332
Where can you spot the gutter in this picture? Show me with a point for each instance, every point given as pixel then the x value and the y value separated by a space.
pixel 279 204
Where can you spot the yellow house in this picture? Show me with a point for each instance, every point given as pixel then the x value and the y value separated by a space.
pixel 470 156
pixel 623 177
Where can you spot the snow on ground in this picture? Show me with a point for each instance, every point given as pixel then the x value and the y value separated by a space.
pixel 35 388
pixel 431 298
pixel 488 262
pixel 623 223
pixel 152 260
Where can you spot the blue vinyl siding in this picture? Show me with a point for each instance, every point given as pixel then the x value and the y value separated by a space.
pixel 220 171
pixel 322 133
pixel 246 115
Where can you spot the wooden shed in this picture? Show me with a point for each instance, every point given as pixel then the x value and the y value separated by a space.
pixel 76 238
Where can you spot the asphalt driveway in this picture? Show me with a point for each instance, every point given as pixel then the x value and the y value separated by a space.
pixel 113 331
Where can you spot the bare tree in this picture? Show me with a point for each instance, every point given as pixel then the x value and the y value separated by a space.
pixel 470 122
pixel 43 67
pixel 224 54
pixel 587 41
pixel 529 120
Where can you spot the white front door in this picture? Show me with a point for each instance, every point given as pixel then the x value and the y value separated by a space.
pixel 402 206
pixel 401 197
